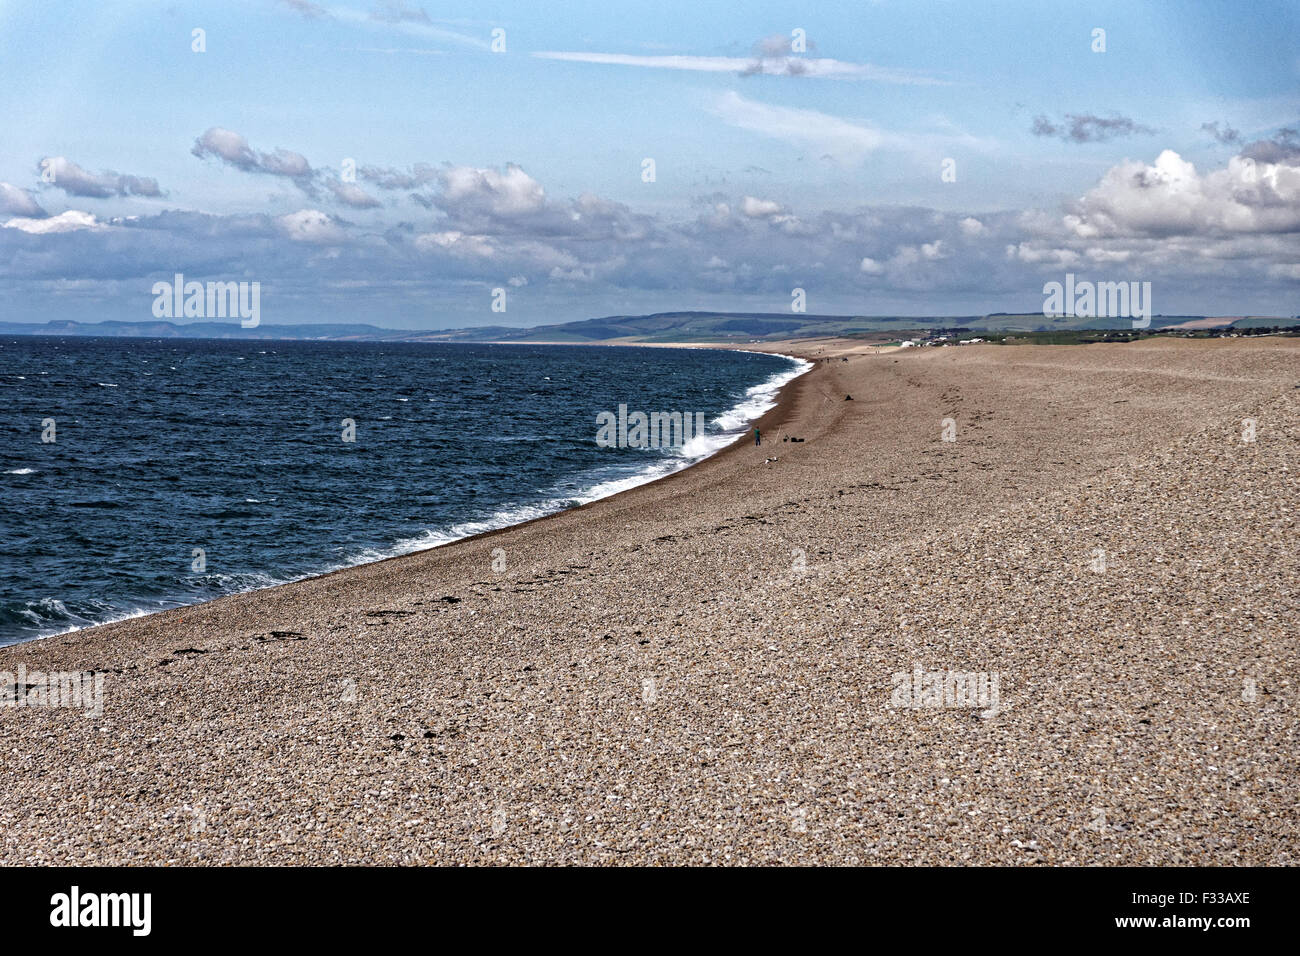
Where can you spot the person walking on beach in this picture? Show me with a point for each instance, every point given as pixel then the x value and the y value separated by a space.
pixel 758 439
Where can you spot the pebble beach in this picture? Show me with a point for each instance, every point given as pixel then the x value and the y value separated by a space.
pixel 705 670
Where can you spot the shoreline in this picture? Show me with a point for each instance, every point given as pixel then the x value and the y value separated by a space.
pixel 767 416
pixel 781 391
pixel 702 670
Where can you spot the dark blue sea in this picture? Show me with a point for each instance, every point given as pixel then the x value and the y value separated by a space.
pixel 162 449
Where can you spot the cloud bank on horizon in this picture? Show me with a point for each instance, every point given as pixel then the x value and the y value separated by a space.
pixel 377 162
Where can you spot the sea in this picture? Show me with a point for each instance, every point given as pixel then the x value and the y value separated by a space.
pixel 138 474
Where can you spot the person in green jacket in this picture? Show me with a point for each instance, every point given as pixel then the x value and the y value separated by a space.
pixel 758 439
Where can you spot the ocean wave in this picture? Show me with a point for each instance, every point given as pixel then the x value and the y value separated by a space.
pixel 52 617
pixel 760 398
pixel 731 426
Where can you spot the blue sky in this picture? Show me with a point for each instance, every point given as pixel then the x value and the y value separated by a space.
pixel 1171 157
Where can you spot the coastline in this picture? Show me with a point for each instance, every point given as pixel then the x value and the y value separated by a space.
pixel 762 422
pixel 737 439
pixel 699 670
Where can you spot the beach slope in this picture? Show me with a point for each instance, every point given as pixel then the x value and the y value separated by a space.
pixel 706 670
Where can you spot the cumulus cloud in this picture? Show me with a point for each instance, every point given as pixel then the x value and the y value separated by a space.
pixel 232 148
pixel 1227 234
pixel 228 145
pixel 1087 128
pixel 455 242
pixel 509 193
pixel 70 221
pixel 759 208
pixel 1169 197
pixel 912 255
pixel 19 202
pixel 489 227
pixel 313 226
pixel 1035 254
pixel 64 174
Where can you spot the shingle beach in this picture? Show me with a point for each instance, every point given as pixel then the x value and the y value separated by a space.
pixel 706 669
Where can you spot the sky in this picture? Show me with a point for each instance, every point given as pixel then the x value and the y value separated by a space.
pixel 398 163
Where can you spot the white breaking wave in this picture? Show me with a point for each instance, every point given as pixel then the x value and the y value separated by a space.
pixel 56 607
pixel 732 425
pixel 47 608
pixel 760 398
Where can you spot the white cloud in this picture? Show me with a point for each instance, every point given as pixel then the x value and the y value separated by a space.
pixel 1034 254
pixel 455 241
pixel 69 221
pixel 768 65
pixel 508 193
pixel 1171 198
pixel 233 148
pixel 748 247
pixel 228 145
pixel 759 208
pixel 75 181
pixel 311 225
